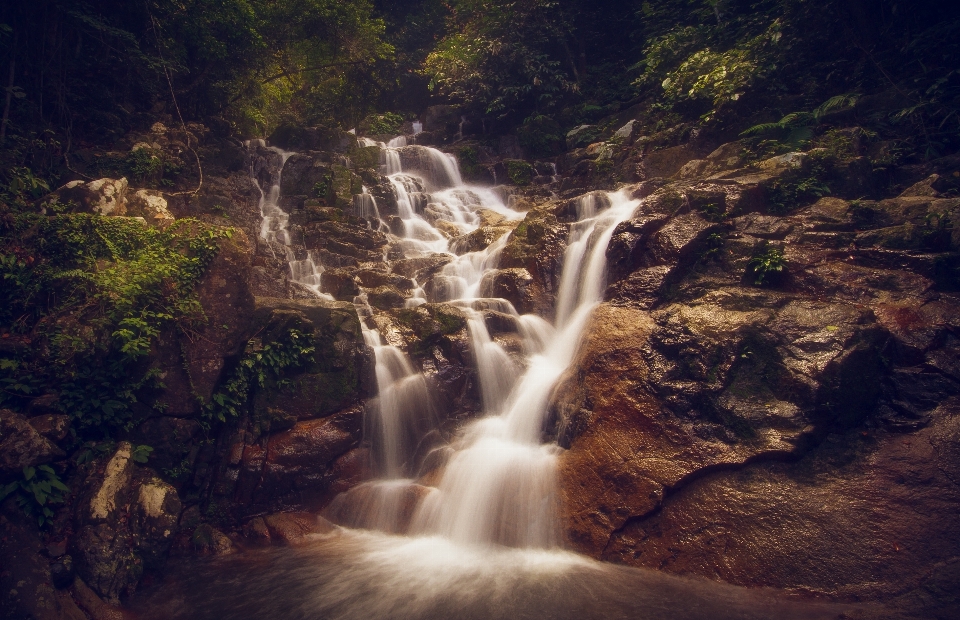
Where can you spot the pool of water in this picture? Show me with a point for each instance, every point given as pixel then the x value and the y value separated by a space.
pixel 353 575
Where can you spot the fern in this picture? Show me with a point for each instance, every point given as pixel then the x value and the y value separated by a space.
pixel 800 124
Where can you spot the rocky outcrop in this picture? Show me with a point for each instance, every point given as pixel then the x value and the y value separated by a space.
pixel 124 524
pixel 303 420
pixel 23 445
pixel 716 422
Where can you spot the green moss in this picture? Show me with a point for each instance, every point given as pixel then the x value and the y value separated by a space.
pixel 94 293
pixel 469 161
pixel 519 171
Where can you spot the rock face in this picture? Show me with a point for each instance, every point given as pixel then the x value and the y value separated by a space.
pixel 794 433
pixel 304 420
pixel 124 525
pixel 22 445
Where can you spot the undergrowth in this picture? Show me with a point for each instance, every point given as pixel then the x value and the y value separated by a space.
pixel 86 298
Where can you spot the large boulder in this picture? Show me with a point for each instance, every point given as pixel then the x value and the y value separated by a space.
pixel 193 370
pixel 330 378
pixel 151 206
pixel 125 523
pixel 103 196
pixel 654 398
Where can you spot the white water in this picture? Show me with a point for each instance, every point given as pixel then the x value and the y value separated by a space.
pixel 498 485
pixel 273 227
pixel 482 544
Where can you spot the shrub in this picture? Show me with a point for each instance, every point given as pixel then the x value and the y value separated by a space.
pixel 519 171
pixel 766 265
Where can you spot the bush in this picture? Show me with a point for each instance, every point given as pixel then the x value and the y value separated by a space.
pixel 93 294
pixel 385 124
pixel 541 136
pixel 519 171
pixel 766 265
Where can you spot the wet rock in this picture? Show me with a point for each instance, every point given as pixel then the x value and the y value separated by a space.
pixel 207 539
pixel 372 278
pixel 628 244
pixel 421 268
pixel 664 163
pixel 678 240
pixel 291 528
pixel 303 173
pixel 124 523
pixel 479 239
pixel 22 445
pixel 537 244
pixel 292 468
pixel 666 395
pixel 341 283
pixel 517 286
pixel 385 298
pixel 875 503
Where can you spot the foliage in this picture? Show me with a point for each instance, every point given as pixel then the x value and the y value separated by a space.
pixel 519 171
pixel 496 56
pixel 766 265
pixel 801 187
pixel 263 363
pixel 796 129
pixel 95 293
pixel 541 136
pixel 141 454
pixel 469 161
pixel 36 491
pixel 386 124
pixel 721 77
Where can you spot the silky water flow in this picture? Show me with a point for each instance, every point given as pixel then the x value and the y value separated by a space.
pixel 484 541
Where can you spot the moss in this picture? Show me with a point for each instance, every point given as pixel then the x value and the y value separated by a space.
pixel 469 161
pixel 519 172
pixel 365 157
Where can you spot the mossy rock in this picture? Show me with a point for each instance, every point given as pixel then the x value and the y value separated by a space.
pixel 365 157
pixel 519 172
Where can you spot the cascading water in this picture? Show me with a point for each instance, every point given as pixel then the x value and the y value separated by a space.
pixel 483 542
pixel 273 228
pixel 498 485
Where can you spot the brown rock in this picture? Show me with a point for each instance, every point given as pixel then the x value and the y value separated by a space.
pixel 21 445
pixel 53 427
pixel 882 509
pixel 292 528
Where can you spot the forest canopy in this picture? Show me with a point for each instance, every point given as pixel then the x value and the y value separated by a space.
pixel 91 71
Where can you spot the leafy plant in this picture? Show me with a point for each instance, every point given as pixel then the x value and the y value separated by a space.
pixel 36 491
pixel 766 265
pixel 141 454
pixel 519 171
pixel 388 123
pixel 97 292
pixel 261 364
pixel 796 128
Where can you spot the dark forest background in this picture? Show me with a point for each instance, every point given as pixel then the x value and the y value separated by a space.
pixel 78 73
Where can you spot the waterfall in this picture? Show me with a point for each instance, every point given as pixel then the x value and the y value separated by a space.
pixel 275 221
pixel 497 480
